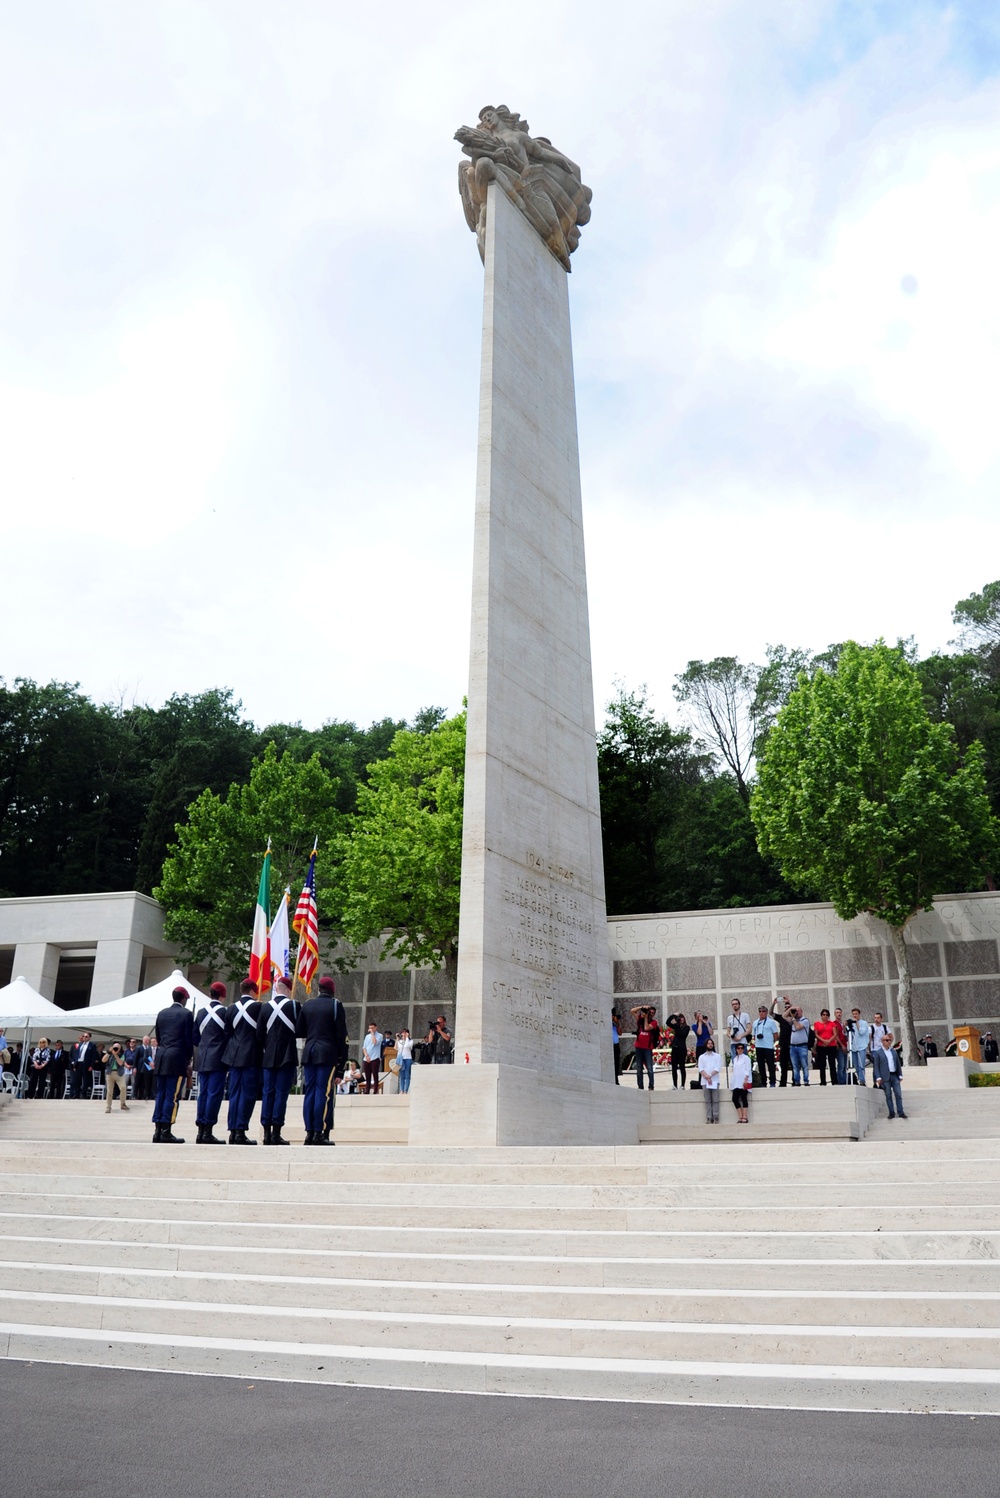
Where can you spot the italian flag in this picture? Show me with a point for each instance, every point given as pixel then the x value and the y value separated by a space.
pixel 260 945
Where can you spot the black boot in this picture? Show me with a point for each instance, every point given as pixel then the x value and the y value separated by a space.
pixel 241 1138
pixel 210 1137
pixel 232 1136
pixel 169 1137
pixel 158 1134
pixel 309 1139
pixel 276 1135
pixel 201 1135
pixel 323 1137
pixel 267 1133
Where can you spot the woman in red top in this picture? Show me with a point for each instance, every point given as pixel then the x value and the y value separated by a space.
pixel 827 1048
pixel 644 1030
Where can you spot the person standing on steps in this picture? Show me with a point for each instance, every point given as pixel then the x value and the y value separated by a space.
pixel 887 1073
pixel 404 1059
pixel 741 1081
pixel 280 1018
pixel 799 1047
pixel 83 1059
pixel 859 1033
pixel 643 1050
pixel 991 1050
pixel 737 1025
pixel 114 1076
pixel 827 1048
pixel 244 1047
pixel 322 1024
pixel 838 1023
pixel 174 1031
pixel 765 1033
pixel 371 1058
pixel 780 1010
pixel 709 1071
pixel 211 1032
pixel 702 1032
pixel 58 1063
pixel 679 1032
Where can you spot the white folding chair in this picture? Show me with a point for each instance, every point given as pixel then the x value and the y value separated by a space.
pixel 100 1091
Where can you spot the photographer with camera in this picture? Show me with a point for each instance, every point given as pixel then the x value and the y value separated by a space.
pixel 114 1076
pixel 799 1047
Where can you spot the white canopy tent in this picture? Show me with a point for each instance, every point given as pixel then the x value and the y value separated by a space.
pixel 136 1012
pixel 23 1009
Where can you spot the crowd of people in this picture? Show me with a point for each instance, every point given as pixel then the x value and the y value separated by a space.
pixel 781 1047
pixel 236 1051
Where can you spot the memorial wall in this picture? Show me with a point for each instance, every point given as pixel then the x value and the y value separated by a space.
pixel 703 959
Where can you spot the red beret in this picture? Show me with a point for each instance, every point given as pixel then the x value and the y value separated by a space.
pixel 218 990
pixel 248 986
pixel 180 993
pixel 327 985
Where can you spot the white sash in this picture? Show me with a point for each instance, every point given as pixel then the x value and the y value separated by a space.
pixel 240 1007
pixel 215 1013
pixel 278 1012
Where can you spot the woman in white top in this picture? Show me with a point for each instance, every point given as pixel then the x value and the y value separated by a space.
pixel 404 1057
pixel 741 1080
pixel 709 1067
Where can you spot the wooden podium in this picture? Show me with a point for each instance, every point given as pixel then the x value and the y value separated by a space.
pixel 968 1043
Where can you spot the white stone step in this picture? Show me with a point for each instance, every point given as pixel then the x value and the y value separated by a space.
pixel 874 1386
pixel 930 1300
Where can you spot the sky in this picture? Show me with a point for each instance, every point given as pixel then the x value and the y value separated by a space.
pixel 240 318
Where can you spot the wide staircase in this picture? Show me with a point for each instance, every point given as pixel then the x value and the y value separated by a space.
pixel 834 1274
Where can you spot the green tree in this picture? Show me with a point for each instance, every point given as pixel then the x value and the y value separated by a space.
pixel 209 883
pixel 862 798
pixel 401 862
pixel 979 616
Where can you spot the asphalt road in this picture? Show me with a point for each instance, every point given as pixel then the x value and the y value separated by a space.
pixel 83 1431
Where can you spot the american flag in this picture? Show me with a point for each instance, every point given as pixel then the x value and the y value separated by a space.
pixel 306 923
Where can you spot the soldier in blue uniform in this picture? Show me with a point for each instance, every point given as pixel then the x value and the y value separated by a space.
pixel 244 1047
pixel 279 1018
pixel 211 1031
pixel 323 1026
pixel 175 1047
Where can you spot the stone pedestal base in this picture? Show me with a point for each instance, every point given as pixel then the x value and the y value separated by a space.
pixel 497 1104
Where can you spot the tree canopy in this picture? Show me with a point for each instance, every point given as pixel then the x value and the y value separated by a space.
pixel 398 880
pixel 861 797
pixel 210 876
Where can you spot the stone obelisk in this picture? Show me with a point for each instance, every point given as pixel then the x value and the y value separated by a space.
pixel 534 990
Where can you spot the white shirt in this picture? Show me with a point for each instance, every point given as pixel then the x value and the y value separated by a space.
pixel 709 1066
pixel 404 1050
pixel 890 1056
pixel 740 1072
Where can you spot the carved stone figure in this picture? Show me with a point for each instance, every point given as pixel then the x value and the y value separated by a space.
pixel 543 183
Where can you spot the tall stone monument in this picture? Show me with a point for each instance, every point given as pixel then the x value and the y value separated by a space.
pixel 534 988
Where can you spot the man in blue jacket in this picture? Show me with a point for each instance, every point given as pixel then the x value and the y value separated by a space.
pixel 887 1069
pixel 279 1018
pixel 243 1053
pixel 211 1031
pixel 175 1047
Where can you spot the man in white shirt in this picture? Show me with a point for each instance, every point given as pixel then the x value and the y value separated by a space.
pixel 737 1024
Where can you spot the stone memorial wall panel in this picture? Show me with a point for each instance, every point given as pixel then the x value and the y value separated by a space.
pixel 925 960
pixel 974 999
pixel 928 1002
pixel 810 1001
pixel 388 988
pixel 386 1016
pixel 856 964
pixel 690 973
pixel 353 1014
pixel 642 975
pixel 435 988
pixel 795 968
pixel 746 970
pixel 858 996
pixel 350 987
pixel 966 958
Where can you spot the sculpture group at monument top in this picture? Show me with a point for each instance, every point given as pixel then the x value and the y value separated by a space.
pixel 539 180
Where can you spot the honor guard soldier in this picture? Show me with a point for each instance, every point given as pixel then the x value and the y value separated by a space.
pixel 211 1032
pixel 244 1045
pixel 279 1018
pixel 323 1025
pixel 174 1033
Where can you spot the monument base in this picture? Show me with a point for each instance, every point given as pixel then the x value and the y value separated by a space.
pixel 497 1104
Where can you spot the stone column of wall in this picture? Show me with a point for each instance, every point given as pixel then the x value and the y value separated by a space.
pixel 117 969
pixel 38 963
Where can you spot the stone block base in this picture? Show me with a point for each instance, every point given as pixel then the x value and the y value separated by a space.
pixel 496 1104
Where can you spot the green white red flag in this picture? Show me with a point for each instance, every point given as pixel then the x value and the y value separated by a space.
pixel 260 944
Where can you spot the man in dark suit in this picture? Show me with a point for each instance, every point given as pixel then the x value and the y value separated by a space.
pixel 140 1056
pixel 887 1073
pixel 279 1018
pixel 244 1047
pixel 175 1047
pixel 323 1026
pixel 58 1064
pixel 83 1059
pixel 211 1033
